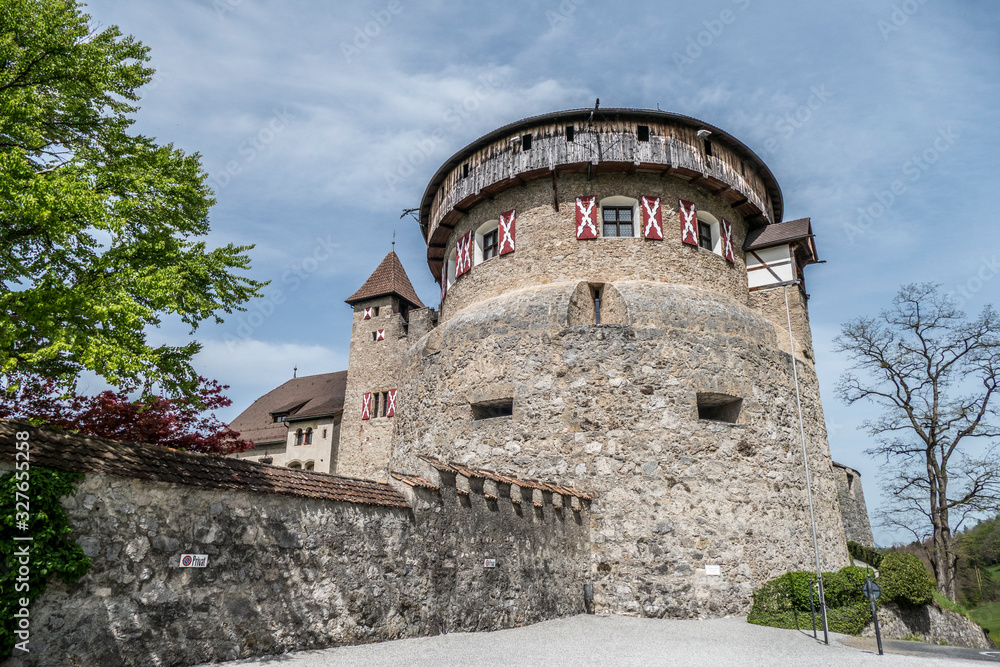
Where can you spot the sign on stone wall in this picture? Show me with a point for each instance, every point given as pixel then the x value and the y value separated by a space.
pixel 194 560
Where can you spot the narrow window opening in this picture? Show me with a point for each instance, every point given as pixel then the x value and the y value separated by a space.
pixel 596 291
pixel 385 402
pixel 374 335
pixel 643 132
pixel 708 148
pixel 490 244
pixel 492 409
pixel 298 437
pixel 324 434
pixel 526 142
pixel 705 235
pixel 719 407
pixel 570 133
pixel 309 436
pixel 375 397
pixel 465 170
pixel 743 168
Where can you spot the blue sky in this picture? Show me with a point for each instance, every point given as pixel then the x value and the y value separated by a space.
pixel 317 120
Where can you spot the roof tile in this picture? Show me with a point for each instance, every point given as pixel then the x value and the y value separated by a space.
pixel 53 448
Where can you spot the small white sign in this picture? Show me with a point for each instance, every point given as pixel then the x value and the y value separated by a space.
pixel 194 560
pixel 490 562
pixel 713 570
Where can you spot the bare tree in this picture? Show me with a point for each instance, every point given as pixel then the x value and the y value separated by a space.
pixel 934 373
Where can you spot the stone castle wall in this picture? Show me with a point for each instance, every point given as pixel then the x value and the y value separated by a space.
pixel 857 526
pixel 288 573
pixel 613 408
pixel 549 252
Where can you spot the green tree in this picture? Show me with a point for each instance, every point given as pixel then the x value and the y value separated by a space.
pixel 935 374
pixel 99 227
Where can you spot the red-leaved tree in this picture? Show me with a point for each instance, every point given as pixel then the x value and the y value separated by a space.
pixel 179 423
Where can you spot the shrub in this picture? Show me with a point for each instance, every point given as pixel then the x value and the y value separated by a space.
pixel 866 554
pixel 51 552
pixel 905 580
pixel 843 587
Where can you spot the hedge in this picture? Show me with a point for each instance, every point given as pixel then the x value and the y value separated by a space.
pixel 866 554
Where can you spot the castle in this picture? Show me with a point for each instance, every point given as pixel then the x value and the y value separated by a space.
pixel 617 291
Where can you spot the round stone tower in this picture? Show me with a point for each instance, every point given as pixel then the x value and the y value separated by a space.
pixel 613 317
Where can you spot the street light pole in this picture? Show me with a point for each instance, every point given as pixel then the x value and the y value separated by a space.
pixel 805 464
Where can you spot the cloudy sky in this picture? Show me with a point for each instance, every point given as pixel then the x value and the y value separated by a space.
pixel 317 122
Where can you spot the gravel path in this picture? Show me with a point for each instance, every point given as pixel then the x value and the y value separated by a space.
pixel 610 641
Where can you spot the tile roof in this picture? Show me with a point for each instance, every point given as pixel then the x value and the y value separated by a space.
pixel 477 473
pixel 388 278
pixel 415 481
pixel 58 449
pixel 779 234
pixel 313 395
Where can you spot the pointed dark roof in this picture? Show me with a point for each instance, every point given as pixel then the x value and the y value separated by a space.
pixel 300 398
pixel 388 279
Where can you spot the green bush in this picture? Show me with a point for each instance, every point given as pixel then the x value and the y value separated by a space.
pixel 905 580
pixel 867 554
pixel 51 552
pixel 843 587
pixel 783 602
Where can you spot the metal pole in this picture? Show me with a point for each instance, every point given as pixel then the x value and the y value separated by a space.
pixel 878 632
pixel 812 608
pixel 805 464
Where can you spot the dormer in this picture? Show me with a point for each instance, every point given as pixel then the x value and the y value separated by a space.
pixel 776 254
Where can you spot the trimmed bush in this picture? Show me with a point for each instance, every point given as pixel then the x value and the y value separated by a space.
pixel 843 587
pixel 784 602
pixel 905 580
pixel 867 554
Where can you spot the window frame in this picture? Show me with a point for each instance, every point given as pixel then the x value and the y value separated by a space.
pixel 619 202
pixel 479 251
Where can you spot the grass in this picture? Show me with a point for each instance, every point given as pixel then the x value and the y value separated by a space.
pixel 948 604
pixel 987 615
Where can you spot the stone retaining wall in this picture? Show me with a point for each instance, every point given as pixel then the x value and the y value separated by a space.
pixel 928 623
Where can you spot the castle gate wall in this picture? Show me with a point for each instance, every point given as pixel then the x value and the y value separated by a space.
pixel 289 573
pixel 613 408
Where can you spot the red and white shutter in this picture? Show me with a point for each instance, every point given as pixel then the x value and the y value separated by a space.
pixel 464 258
pixel 689 223
pixel 366 406
pixel 507 232
pixel 380 335
pixel 390 403
pixel 586 216
pixel 368 313
pixel 444 277
pixel 727 241
pixel 652 218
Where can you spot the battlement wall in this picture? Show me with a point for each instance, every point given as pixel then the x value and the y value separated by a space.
pixel 296 560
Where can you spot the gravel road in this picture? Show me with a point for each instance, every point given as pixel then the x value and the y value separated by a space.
pixel 617 641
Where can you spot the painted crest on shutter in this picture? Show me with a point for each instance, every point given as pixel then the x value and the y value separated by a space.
pixel 727 241
pixel 507 232
pixel 368 313
pixel 366 406
pixel 586 209
pixel 464 256
pixel 380 335
pixel 652 217
pixel 390 403
pixel 689 223
pixel 444 278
